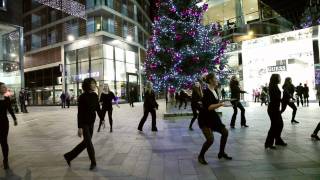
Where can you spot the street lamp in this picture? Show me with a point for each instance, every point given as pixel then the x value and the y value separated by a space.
pixel 129 38
pixel 71 38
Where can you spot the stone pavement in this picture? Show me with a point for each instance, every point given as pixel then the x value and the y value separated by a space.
pixel 38 143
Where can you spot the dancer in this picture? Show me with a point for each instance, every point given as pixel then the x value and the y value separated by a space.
pixel 149 106
pixel 88 105
pixel 195 102
pixel 210 121
pixel 306 95
pixel 5 106
pixel 315 133
pixel 235 95
pixel 106 98
pixel 287 99
pixel 274 114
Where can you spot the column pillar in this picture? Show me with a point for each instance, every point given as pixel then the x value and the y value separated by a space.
pixel 239 13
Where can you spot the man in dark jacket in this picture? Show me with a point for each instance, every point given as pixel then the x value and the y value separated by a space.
pixel 299 91
pixel 306 95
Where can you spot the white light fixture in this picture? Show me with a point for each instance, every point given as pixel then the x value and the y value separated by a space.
pixel 71 38
pixel 129 38
pixel 13 55
pixel 250 33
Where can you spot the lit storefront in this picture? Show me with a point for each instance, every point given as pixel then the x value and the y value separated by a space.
pixel 108 61
pixel 288 54
pixel 11 55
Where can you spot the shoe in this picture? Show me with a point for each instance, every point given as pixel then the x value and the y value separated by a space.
pixel 270 147
pixel 5 164
pixel 154 129
pixel 93 166
pixel 244 125
pixel 294 121
pixel 316 137
pixel 232 127
pixel 111 130
pixel 201 160
pixel 225 156
pixel 139 129
pixel 281 144
pixel 98 130
pixel 68 161
pixel 190 129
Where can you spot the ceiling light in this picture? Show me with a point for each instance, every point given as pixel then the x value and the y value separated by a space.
pixel 71 38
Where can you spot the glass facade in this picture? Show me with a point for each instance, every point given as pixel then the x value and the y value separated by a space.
pixel 107 64
pixel 10 57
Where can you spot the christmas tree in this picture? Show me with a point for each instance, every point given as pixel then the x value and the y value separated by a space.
pixel 181 49
pixel 311 15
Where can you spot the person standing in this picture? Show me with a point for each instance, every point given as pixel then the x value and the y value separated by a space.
pixel 195 102
pixel 68 99
pixel 132 96
pixel 264 96
pixel 5 107
pixel 314 135
pixel 209 121
pixel 299 90
pixel 306 95
pixel 177 98
pixel 106 98
pixel 274 113
pixel 63 100
pixel 88 106
pixel 183 99
pixel 22 101
pixel 287 99
pixel 223 94
pixel 149 106
pixel 318 95
pixel 235 96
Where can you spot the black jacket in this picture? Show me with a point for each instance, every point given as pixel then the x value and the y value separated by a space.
pixel 208 118
pixel 106 100
pixel 150 100
pixel 288 92
pixel 235 92
pixel 195 97
pixel 306 91
pixel 88 105
pixel 275 98
pixel 5 107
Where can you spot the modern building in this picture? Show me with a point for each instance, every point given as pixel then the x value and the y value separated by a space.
pixel 109 44
pixel 11 45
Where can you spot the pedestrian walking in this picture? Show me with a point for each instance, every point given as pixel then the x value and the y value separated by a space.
pixel 306 95
pixel 149 106
pixel 264 96
pixel 235 96
pixel 299 90
pixel 106 98
pixel 314 135
pixel 223 94
pixel 195 102
pixel 318 95
pixel 274 113
pixel 5 107
pixel 183 99
pixel 132 96
pixel 68 98
pixel 88 106
pixel 23 101
pixel 63 100
pixel 288 99
pixel 209 121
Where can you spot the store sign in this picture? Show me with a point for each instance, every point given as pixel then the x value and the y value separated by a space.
pixel 281 66
pixel 86 75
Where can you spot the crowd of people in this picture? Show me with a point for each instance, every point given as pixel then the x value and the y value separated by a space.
pixel 205 100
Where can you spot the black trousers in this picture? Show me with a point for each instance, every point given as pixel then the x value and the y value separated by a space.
pixel 293 107
pixel 63 104
pixel 195 108
pixel 306 100
pixel 103 115
pixel 68 103
pixel 23 107
pixel 131 100
pixel 4 130
pixel 317 129
pixel 183 100
pixel 236 105
pixel 274 134
pixel 144 118
pixel 299 99
pixel 86 143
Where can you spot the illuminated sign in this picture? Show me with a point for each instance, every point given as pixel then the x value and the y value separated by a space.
pixel 70 7
pixel 281 66
pixel 86 75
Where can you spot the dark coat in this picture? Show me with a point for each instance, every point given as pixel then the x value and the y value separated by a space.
pixel 275 98
pixel 5 107
pixel 150 100
pixel 288 92
pixel 106 100
pixel 88 105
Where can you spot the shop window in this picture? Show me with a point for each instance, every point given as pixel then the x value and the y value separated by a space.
pixel 96 52
pixel 97 69
pixel 131 68
pixel 83 54
pixel 107 51
pixel 108 70
pixel 120 71
pixel 71 57
pixel 130 57
pixel 119 54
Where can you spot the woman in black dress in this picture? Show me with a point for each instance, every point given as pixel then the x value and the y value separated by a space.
pixel 287 99
pixel 5 106
pixel 88 105
pixel 235 96
pixel 195 102
pixel 210 121
pixel 274 113
pixel 149 106
pixel 106 98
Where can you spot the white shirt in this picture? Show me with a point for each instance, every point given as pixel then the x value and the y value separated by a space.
pixel 214 93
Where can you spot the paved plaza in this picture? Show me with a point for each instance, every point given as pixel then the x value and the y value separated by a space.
pixel 38 143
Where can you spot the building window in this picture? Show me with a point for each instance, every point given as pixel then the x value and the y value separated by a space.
pixel 90 25
pixel 3 4
pixel 109 3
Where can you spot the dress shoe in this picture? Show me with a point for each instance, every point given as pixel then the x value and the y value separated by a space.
pixel 281 143
pixel 140 129
pixel 316 137
pixel 111 130
pixel 154 129
pixel 201 160
pixel 190 128
pixel 232 127
pixel 93 166
pixel 225 156
pixel 5 164
pixel 68 161
pixel 244 125
pixel 294 121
